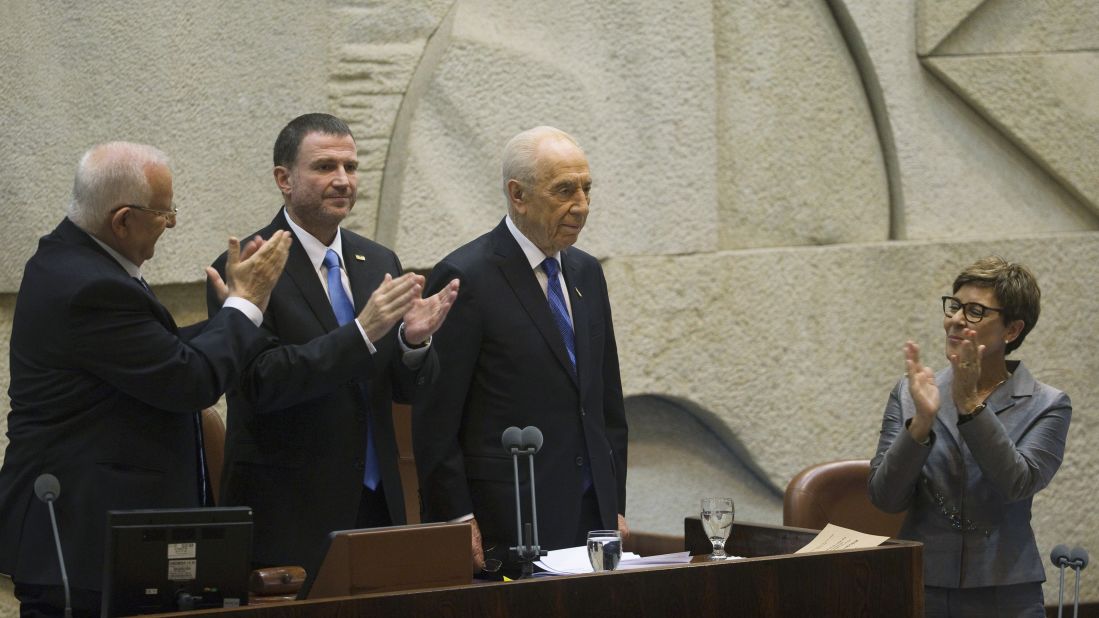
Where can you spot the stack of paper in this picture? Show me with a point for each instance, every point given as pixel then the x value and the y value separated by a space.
pixel 574 560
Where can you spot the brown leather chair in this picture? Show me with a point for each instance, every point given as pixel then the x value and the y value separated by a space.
pixel 213 442
pixel 836 492
pixel 279 584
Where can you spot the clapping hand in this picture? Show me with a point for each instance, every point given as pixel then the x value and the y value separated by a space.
pixel 426 315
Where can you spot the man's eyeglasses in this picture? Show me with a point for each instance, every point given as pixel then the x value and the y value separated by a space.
pixel 974 312
pixel 168 215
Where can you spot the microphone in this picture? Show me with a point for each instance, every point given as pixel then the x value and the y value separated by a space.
pixel 526 441
pixel 532 438
pixel 1078 560
pixel 48 489
pixel 513 439
pixel 1059 555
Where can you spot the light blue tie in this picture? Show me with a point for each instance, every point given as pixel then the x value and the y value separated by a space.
pixel 558 308
pixel 345 312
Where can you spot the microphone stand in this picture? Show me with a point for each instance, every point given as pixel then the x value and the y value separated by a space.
pixel 61 561
pixel 1061 589
pixel 48 489
pixel 1078 560
pixel 527 548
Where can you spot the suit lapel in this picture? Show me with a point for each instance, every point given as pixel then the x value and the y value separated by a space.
pixel 364 276
pixel 516 270
pixel 301 272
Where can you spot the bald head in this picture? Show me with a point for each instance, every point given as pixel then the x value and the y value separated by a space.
pixel 521 154
pixel 548 187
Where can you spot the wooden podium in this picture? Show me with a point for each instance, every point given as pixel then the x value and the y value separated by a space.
pixel 880 581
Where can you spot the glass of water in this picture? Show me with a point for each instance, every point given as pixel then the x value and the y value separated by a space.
pixel 717 520
pixel 604 549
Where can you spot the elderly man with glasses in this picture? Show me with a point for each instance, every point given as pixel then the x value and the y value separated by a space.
pixel 105 388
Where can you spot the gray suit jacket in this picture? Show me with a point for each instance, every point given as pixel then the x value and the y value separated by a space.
pixel 969 493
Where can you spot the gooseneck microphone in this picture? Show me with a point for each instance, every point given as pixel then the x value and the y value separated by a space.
pixel 48 489
pixel 1077 560
pixel 526 441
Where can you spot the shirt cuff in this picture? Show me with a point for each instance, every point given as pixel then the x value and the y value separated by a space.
pixel 463 518
pixel 362 331
pixel 246 307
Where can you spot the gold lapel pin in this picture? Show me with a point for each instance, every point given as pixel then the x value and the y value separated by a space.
pixel 360 257
pixel 578 292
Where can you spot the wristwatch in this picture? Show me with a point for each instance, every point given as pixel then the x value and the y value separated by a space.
pixel 424 344
pixel 963 418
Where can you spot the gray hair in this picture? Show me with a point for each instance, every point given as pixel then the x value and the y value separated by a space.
pixel 519 160
pixel 109 175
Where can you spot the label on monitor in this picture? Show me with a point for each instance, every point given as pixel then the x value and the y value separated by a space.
pixel 178 551
pixel 182 570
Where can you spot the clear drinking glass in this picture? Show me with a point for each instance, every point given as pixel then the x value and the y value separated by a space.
pixel 717 520
pixel 604 549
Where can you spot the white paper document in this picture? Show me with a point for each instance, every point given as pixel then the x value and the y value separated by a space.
pixel 679 557
pixel 574 560
pixel 834 538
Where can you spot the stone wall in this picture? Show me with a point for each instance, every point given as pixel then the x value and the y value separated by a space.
pixel 782 189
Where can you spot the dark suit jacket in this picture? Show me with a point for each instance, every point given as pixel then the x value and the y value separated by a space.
pixel 104 392
pixel 297 428
pixel 968 494
pixel 504 363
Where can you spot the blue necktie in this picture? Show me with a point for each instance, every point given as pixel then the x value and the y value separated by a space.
pixel 560 313
pixel 345 312
pixel 558 308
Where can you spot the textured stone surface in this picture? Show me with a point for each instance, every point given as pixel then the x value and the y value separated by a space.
pixel 799 161
pixel 1034 74
pixel 1045 103
pixel 958 176
pixel 714 129
pixel 1003 26
pixel 677 456
pixel 209 83
pixel 938 18
pixel 680 117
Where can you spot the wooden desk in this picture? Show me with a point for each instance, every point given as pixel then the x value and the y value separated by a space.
pixel 881 581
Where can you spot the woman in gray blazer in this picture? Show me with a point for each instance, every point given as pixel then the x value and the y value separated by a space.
pixel 966 449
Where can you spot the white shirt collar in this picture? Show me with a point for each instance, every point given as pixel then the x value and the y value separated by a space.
pixel 314 248
pixel 533 253
pixel 132 269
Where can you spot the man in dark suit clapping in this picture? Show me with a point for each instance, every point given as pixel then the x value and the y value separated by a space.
pixel 310 444
pixel 105 388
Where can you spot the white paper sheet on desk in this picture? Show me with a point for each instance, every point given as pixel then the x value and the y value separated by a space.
pixel 834 538
pixel 680 557
pixel 574 560
pixel 571 560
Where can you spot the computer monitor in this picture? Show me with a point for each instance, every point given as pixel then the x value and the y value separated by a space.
pixel 390 559
pixel 166 560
